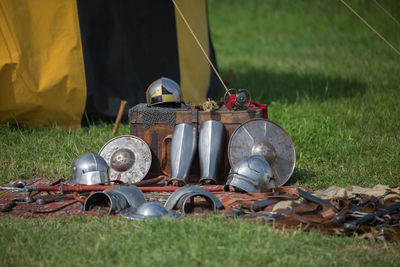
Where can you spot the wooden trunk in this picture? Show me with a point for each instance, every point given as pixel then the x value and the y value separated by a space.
pixel 159 136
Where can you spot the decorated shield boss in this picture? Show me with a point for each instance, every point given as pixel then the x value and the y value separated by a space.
pixel 128 157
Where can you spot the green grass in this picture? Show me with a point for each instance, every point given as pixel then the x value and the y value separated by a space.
pixel 187 243
pixel 329 81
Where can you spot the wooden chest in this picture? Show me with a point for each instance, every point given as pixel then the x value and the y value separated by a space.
pixel 158 133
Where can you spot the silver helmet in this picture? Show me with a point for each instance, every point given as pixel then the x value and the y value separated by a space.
pixel 253 175
pixel 148 210
pixel 89 168
pixel 163 91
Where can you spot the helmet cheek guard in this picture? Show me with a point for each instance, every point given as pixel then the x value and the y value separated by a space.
pixel 241 182
pixel 94 177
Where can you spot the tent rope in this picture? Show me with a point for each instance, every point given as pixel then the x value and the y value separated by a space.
pixel 371 28
pixel 201 47
pixel 387 12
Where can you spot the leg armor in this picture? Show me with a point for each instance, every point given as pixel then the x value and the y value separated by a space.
pixel 183 147
pixel 211 142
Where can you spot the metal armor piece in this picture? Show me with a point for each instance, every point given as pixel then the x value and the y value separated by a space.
pixel 253 175
pixel 210 150
pixel 89 169
pixel 179 198
pixel 148 210
pixel 267 139
pixel 116 198
pixel 129 158
pixel 183 148
pixel 162 91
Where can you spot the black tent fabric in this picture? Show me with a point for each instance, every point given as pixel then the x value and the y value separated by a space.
pixel 74 61
pixel 126 44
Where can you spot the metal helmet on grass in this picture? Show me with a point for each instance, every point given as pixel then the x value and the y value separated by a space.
pixel 89 168
pixel 163 91
pixel 148 210
pixel 253 175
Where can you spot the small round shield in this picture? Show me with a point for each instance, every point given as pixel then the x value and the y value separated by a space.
pixel 268 139
pixel 128 157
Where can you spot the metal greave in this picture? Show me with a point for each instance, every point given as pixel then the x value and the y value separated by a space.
pixel 211 142
pixel 183 148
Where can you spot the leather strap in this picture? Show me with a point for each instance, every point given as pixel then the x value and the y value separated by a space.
pixel 195 114
pixel 164 154
pixel 279 192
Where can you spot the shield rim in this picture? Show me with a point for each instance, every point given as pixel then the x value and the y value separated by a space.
pixel 138 139
pixel 279 127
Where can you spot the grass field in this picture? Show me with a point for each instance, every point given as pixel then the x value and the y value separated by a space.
pixel 329 81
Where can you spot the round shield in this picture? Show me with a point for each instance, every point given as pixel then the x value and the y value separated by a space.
pixel 268 139
pixel 128 157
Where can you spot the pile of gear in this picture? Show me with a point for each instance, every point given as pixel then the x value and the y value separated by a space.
pixel 261 155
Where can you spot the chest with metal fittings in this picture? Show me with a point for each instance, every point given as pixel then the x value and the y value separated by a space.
pixel 155 125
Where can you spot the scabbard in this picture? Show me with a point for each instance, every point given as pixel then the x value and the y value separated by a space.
pixel 262 204
pixel 315 199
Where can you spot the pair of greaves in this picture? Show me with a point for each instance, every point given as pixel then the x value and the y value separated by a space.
pixel 184 145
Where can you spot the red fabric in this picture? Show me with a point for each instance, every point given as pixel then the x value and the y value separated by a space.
pixel 264 107
pixel 73 207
